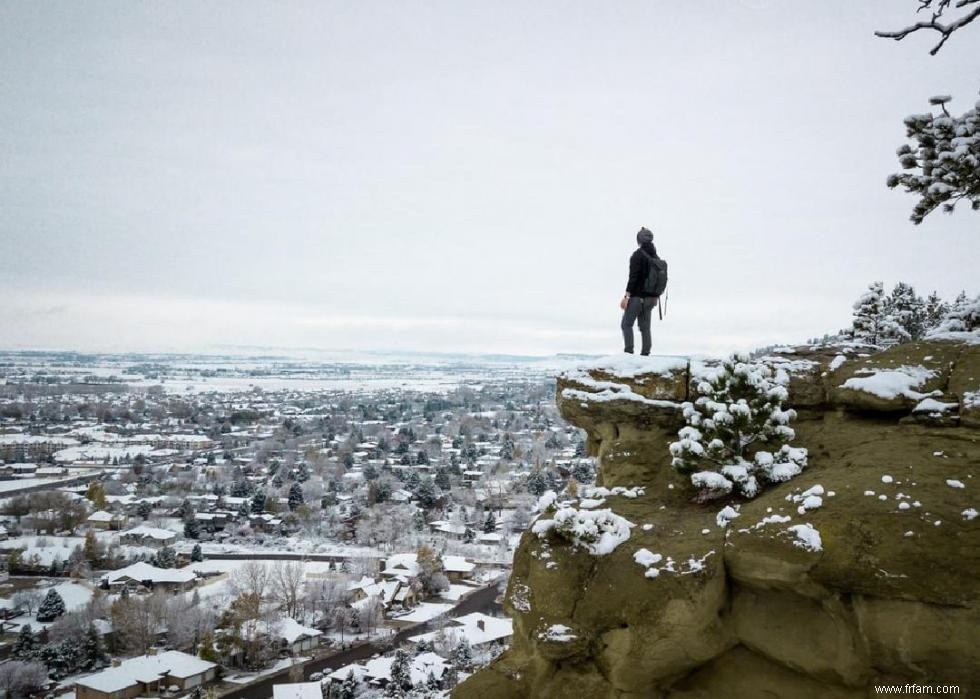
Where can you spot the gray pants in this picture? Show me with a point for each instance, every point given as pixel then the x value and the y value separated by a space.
pixel 638 310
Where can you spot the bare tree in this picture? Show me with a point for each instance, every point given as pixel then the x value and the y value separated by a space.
pixel 251 578
pixel 28 599
pixel 136 622
pixel 20 678
pixel 287 585
pixel 936 9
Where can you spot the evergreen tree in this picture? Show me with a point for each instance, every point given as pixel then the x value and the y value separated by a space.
pixel 536 483
pixel 26 647
pixel 258 502
pixel 461 657
pixel 739 408
pixel 303 473
pixel 908 310
pixel 582 472
pixel 873 322
pixel 935 311
pixel 418 520
pixel 348 690
pixel 468 536
pixel 144 509
pixel 401 670
pixel 93 652
pixel 277 481
pixel 295 496
pixel 490 523
pixel 51 607
pixel 192 529
pixel 442 479
pixel 165 558
pixel 196 554
pixel 186 510
pixel 240 488
pixel 426 492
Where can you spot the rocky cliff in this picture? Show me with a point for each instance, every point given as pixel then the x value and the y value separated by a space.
pixel 861 570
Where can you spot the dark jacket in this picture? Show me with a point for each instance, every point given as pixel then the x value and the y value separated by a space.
pixel 639 266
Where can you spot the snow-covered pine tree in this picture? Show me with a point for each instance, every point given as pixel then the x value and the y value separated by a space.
pixel 944 160
pixel 192 528
pixel 165 558
pixel 935 311
pixel 51 607
pixel 963 315
pixel 461 657
pixel 873 322
pixel 536 483
pixel 908 309
pixel 196 554
pixel 258 502
pixel 490 523
pixel 401 669
pixel 93 652
pixel 739 409
pixel 26 646
pixel 295 496
pixel 348 690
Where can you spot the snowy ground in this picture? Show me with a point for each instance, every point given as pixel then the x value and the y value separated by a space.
pixel 246 677
pixel 425 611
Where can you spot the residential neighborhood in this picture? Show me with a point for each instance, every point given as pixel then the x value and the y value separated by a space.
pixel 175 529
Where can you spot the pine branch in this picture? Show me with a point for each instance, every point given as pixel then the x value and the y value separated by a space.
pixel 946 30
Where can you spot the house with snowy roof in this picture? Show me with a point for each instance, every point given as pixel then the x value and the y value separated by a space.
pixel 144 575
pixel 101 519
pixel 145 535
pixel 477 629
pixel 291 636
pixel 377 671
pixel 147 675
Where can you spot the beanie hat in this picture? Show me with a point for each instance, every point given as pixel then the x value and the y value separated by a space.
pixel 644 236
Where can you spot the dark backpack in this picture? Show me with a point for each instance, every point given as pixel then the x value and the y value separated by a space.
pixel 656 280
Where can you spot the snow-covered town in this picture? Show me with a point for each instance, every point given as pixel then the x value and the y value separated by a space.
pixel 180 526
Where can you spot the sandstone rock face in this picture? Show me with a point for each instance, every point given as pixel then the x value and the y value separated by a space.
pixel 878 585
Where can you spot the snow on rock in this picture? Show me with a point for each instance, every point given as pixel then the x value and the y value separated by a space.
pixel 931 405
pixel 953 483
pixel 807 537
pixel 836 362
pixel 629 365
pixel 546 500
pixel 557 633
pixel 887 479
pixel 969 514
pixel 809 499
pixel 646 558
pixel 600 492
pixel 725 515
pixel 892 383
pixel 600 531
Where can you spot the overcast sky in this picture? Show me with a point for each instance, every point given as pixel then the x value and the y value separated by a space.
pixel 459 176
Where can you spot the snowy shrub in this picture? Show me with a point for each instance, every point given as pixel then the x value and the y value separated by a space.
pixel 739 408
pixel 599 531
pixel 943 162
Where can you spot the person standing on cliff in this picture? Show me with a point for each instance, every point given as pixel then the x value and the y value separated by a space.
pixel 640 299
